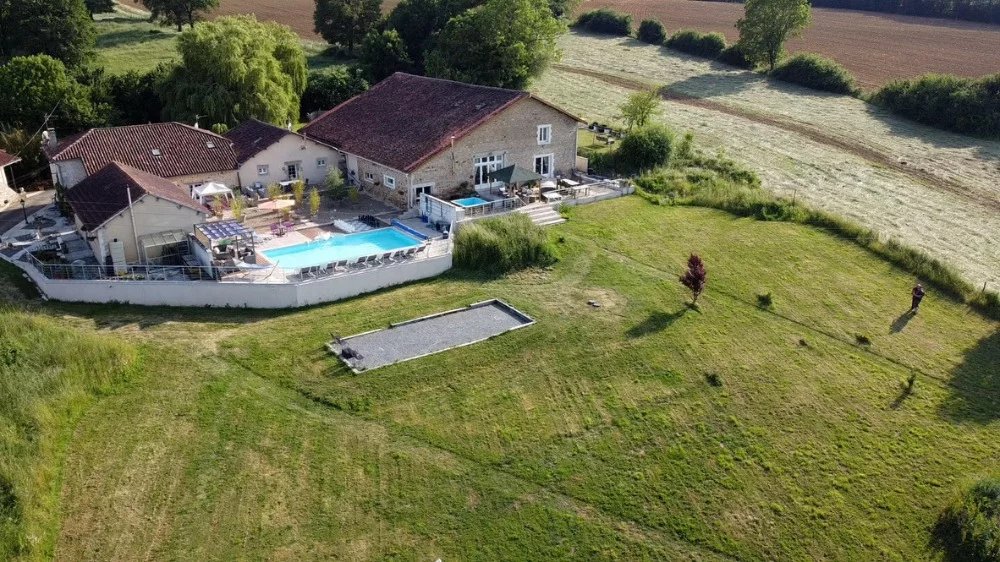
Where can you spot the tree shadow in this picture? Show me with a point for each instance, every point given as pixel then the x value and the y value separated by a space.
pixel 899 324
pixel 904 392
pixel 131 37
pixel 656 322
pixel 902 126
pixel 975 384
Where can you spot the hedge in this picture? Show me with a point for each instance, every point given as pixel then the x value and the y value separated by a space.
pixel 652 32
pixel 605 20
pixel 708 45
pixel 965 105
pixel 816 72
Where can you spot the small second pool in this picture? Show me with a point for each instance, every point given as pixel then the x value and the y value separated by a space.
pixel 470 201
pixel 341 247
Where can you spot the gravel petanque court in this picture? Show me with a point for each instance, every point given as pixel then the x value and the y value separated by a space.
pixel 429 334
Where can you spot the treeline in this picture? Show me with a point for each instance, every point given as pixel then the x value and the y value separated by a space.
pixel 964 105
pixel 969 10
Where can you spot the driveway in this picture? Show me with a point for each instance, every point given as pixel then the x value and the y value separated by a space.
pixel 13 215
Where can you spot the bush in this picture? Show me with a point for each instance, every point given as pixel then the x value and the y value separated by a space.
pixel 644 149
pixel 652 32
pixel 708 45
pixel 734 55
pixel 765 300
pixel 968 530
pixel 502 245
pixel 965 105
pixel 605 20
pixel 816 72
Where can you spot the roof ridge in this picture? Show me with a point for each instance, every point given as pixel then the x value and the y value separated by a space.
pixel 459 82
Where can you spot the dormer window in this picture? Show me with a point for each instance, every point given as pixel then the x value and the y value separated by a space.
pixel 156 152
pixel 544 134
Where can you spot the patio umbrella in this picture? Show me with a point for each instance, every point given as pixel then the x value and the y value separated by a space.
pixel 513 175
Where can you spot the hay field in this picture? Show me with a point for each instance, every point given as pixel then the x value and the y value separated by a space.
pixel 935 190
pixel 874 47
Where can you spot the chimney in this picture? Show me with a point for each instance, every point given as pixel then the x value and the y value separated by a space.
pixel 50 138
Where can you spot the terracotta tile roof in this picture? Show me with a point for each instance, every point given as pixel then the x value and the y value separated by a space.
pixel 7 159
pixel 104 194
pixel 406 119
pixel 183 150
pixel 253 136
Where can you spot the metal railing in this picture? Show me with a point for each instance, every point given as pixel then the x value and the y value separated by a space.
pixel 232 274
pixel 491 207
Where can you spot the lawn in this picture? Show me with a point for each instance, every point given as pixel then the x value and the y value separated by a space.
pixel 593 434
pixel 126 41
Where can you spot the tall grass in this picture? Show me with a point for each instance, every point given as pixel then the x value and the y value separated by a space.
pixel 502 245
pixel 48 375
pixel 719 183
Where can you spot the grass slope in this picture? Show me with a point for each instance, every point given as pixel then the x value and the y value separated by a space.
pixel 934 190
pixel 593 434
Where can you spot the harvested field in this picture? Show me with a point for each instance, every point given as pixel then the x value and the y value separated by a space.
pixel 875 47
pixel 935 190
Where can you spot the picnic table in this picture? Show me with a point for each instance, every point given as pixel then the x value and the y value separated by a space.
pixel 551 196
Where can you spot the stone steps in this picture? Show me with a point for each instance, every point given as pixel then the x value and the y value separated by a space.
pixel 542 215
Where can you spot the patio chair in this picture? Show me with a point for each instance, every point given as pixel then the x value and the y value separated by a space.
pixel 276 229
pixel 340 265
pixel 288 225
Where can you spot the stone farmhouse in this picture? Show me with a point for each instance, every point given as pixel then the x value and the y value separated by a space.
pixel 410 135
pixel 268 154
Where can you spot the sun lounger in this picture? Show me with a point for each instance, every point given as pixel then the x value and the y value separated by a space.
pixel 340 265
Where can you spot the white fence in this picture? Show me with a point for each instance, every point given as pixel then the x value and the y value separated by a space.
pixel 239 293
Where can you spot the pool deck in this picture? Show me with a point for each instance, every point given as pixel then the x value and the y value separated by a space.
pixel 431 334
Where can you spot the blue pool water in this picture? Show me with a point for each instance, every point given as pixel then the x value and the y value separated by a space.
pixel 341 247
pixel 469 202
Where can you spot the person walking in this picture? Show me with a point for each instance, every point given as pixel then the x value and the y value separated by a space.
pixel 918 295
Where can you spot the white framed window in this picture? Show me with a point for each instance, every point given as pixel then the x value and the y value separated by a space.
pixel 321 162
pixel 544 165
pixel 369 177
pixel 484 165
pixel 544 134
pixel 263 170
pixel 389 181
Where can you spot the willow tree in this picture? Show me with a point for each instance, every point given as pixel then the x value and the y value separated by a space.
pixel 235 68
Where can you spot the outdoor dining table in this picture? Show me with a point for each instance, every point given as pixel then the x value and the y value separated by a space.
pixel 551 196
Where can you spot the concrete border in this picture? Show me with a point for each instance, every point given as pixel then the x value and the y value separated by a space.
pixel 336 346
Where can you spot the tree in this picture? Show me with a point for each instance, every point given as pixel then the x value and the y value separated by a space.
pixel 474 48
pixel 330 87
pixel 335 183
pixel 382 54
pixel 346 22
pixel 767 24
pixel 62 29
pixel 100 6
pixel 28 147
pixel 178 12
pixel 37 85
pixel 694 277
pixel 314 202
pixel 134 96
pixel 640 107
pixel 235 68
pixel 418 23
pixel 968 530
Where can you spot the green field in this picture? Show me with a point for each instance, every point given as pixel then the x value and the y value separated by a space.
pixel 128 41
pixel 593 434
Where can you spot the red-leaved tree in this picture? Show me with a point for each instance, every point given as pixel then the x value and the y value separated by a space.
pixel 694 277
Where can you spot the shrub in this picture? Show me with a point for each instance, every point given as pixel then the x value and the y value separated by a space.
pixel 969 528
pixel 644 149
pixel 734 55
pixel 605 20
pixel 966 105
pixel 713 379
pixel 862 339
pixel 708 45
pixel 502 245
pixel 652 32
pixel 765 300
pixel 816 72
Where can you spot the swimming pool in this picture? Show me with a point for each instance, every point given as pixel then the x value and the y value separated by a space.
pixel 341 247
pixel 470 201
